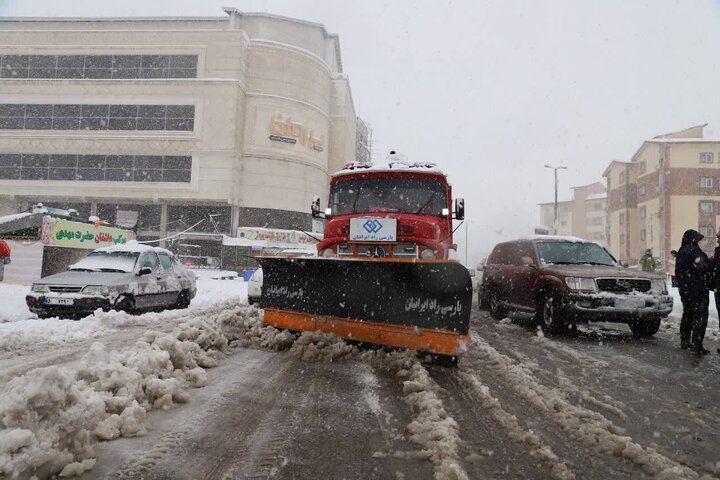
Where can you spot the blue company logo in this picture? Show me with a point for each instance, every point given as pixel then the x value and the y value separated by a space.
pixel 372 226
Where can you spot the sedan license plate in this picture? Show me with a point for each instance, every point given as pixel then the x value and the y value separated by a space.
pixel 59 301
pixel 629 303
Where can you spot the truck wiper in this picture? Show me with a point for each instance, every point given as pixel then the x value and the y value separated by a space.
pixel 117 270
pixel 426 203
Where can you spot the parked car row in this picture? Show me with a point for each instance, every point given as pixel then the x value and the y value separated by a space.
pixel 566 280
pixel 130 277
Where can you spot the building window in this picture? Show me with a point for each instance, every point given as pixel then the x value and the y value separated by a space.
pixel 598 206
pixel 642 189
pixel 622 178
pixel 98 66
pixel 97 117
pixel 706 207
pixel 622 198
pixel 598 236
pixel 706 182
pixel 642 167
pixel 706 157
pixel 642 234
pixel 622 219
pixel 622 238
pixel 96 168
pixel 563 223
pixel 642 212
pixel 707 231
pixel 597 220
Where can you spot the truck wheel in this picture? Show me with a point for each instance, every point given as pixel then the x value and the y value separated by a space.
pixel 497 311
pixel 645 328
pixel 549 315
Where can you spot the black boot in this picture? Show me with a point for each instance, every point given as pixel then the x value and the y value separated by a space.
pixel 700 350
pixel 684 344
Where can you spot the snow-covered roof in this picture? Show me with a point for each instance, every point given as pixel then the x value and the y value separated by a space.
pixel 683 140
pixel 15 216
pixel 132 246
pixel 392 166
pixel 556 238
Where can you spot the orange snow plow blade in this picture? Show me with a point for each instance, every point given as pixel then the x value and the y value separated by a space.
pixel 418 304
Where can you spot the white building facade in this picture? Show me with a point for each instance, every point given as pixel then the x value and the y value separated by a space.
pixel 217 123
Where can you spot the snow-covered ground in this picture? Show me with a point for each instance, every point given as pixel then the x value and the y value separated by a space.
pixel 520 405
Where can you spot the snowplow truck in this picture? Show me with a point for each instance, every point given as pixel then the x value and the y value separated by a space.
pixel 383 273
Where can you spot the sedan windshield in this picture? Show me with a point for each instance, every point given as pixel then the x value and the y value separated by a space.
pixel 573 253
pixel 405 195
pixel 107 262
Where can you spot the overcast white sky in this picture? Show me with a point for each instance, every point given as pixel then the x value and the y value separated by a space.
pixel 492 90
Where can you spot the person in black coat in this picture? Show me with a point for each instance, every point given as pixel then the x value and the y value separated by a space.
pixel 694 276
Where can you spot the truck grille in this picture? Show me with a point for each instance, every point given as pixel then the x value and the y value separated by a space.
pixel 623 285
pixel 62 289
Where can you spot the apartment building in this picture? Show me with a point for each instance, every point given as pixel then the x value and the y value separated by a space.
pixel 583 216
pixel 164 124
pixel 670 184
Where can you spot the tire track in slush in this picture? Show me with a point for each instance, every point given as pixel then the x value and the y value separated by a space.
pixel 489 451
pixel 598 434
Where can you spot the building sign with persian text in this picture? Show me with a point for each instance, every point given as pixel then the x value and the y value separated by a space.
pixel 58 232
pixel 285 130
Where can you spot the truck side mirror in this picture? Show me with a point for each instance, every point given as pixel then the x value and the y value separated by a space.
pixel 459 209
pixel 315 207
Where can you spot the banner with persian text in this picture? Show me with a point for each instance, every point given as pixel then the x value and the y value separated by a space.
pixel 58 232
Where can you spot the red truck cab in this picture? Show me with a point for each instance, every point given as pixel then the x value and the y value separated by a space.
pixel 394 210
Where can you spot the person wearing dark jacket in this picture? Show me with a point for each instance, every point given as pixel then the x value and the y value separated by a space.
pixel 694 276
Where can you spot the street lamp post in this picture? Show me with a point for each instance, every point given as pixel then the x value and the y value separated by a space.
pixel 555 224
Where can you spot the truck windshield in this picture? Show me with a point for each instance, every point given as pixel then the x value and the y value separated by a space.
pixel 573 253
pixel 406 195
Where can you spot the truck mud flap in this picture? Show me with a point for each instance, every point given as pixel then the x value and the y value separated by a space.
pixel 421 304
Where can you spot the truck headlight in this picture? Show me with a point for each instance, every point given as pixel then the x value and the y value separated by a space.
pixel 580 283
pixel 328 252
pixel 95 290
pixel 428 253
pixel 658 286
pixel 39 288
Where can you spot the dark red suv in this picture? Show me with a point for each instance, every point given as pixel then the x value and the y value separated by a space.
pixel 565 280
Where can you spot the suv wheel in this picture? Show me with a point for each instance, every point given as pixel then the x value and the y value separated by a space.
pixel 497 311
pixel 482 299
pixel 645 328
pixel 550 318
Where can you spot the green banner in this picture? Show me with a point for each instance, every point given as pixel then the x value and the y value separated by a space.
pixel 57 232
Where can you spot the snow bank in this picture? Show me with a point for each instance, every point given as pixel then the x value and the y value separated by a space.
pixel 51 418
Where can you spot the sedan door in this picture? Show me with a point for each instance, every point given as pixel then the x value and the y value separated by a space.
pixel 173 280
pixel 151 286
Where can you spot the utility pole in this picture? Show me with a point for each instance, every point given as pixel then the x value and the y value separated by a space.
pixel 555 224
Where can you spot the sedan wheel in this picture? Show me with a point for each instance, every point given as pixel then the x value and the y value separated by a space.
pixel 125 304
pixel 183 300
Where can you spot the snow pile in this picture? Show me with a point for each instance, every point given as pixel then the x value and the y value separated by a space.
pixel 588 426
pixel 51 417
pixel 558 469
pixel 13 302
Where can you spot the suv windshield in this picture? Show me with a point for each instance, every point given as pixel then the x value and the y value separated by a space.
pixel 107 262
pixel 406 195
pixel 573 253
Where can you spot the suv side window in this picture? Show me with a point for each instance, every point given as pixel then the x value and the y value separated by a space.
pixel 150 260
pixel 521 250
pixel 165 262
pixel 497 255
